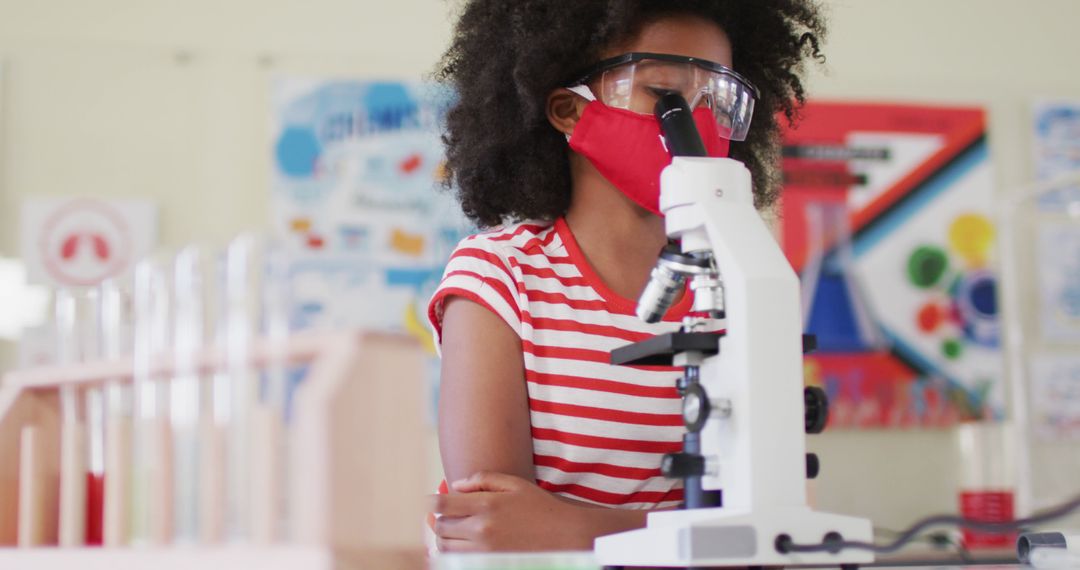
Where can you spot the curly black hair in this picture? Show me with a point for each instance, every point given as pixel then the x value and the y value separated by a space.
pixel 504 157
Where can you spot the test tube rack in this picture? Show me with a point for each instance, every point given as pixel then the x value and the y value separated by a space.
pixel 356 449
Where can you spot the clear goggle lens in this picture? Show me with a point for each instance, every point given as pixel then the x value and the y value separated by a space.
pixel 633 87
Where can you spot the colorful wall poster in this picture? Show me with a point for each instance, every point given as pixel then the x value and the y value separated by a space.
pixel 887 216
pixel 1058 276
pixel 1057 149
pixel 1055 400
pixel 358 165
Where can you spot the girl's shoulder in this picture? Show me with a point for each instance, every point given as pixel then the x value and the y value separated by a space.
pixel 491 268
pixel 521 237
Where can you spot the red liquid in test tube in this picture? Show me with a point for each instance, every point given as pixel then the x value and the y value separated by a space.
pixel 987 506
pixel 986 451
pixel 95 509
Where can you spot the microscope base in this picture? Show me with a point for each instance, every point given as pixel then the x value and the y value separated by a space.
pixel 721 537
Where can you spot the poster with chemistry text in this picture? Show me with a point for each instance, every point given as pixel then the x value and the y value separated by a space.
pixel 358 167
pixel 887 217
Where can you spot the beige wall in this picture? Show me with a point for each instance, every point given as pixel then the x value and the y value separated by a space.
pixel 169 100
pixel 998 53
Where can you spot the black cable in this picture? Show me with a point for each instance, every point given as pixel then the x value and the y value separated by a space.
pixel 785 545
pixel 961 550
pixel 939 540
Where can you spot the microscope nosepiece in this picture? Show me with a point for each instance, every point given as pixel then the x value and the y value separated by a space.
pixel 659 294
pixel 667 280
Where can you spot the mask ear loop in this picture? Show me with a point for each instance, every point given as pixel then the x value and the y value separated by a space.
pixel 583 91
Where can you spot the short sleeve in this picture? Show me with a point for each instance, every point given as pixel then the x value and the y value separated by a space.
pixel 478 270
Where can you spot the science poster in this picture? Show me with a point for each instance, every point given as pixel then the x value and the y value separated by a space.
pixel 1058 263
pixel 358 167
pixel 1055 400
pixel 887 216
pixel 1056 138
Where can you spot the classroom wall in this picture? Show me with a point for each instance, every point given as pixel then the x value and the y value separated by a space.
pixel 997 53
pixel 169 100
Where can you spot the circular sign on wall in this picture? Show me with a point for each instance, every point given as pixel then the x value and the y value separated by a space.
pixel 83 242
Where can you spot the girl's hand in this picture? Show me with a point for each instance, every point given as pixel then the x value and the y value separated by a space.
pixel 493 511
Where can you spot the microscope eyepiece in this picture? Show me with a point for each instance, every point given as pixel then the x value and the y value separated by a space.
pixel 677 123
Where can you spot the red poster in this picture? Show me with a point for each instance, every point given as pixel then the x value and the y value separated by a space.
pixel 886 214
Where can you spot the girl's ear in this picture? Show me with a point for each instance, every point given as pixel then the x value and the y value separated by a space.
pixel 564 108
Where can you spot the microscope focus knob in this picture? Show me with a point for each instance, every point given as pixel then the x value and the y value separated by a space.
pixel 682 465
pixel 813 465
pixel 696 407
pixel 816 404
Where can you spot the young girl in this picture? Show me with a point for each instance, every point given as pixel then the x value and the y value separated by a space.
pixel 547 446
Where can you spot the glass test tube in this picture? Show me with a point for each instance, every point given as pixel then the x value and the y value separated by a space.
pixel 198 409
pixel 986 452
pixel 215 409
pixel 94 401
pixel 276 326
pixel 185 391
pixel 256 299
pixel 114 342
pixel 95 473
pixel 151 499
pixel 73 473
pixel 277 397
pixel 242 285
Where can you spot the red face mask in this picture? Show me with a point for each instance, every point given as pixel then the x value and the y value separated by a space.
pixel 628 149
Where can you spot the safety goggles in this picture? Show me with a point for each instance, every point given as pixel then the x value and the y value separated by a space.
pixel 633 80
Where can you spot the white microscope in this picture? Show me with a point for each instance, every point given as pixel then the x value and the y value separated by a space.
pixel 744 461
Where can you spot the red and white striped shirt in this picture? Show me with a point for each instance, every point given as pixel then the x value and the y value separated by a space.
pixel 599 431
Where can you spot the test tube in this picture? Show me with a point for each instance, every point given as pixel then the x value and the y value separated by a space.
pixel 215 407
pixel 269 444
pixel 114 343
pixel 242 283
pixel 33 526
pixel 95 473
pixel 73 473
pixel 152 491
pixel 256 306
pixel 987 475
pixel 94 402
pixel 185 392
pixel 199 404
